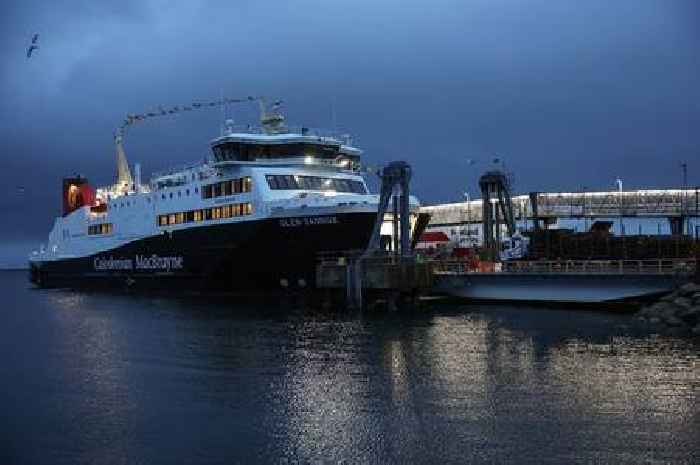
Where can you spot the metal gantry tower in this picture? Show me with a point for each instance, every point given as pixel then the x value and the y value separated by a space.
pixel 395 181
pixel 494 185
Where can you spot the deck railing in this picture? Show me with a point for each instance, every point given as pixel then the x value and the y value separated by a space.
pixel 662 266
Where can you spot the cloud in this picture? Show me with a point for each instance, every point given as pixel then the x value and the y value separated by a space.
pixel 567 92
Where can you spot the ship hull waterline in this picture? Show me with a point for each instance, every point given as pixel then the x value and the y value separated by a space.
pixel 258 255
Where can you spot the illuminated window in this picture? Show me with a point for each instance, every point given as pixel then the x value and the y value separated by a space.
pixel 104 228
pixel 208 214
pixel 224 188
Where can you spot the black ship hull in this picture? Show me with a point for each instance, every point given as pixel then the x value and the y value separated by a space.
pixel 269 254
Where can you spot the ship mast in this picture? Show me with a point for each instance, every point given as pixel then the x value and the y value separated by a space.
pixel 124 178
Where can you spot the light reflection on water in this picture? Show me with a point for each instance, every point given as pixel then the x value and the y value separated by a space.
pixel 112 379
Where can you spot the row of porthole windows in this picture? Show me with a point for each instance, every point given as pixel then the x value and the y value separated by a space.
pixel 148 199
pixel 179 194
pixel 206 214
pixel 123 204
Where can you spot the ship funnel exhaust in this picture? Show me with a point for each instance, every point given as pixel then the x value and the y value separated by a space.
pixel 124 179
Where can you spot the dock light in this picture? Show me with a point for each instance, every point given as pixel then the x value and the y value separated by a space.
pixel 308 160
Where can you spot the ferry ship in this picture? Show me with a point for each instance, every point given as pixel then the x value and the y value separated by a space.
pixel 254 215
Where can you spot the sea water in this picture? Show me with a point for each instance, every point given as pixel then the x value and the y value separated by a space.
pixel 126 379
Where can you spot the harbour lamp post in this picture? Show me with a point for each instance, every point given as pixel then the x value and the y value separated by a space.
pixel 684 169
pixel 583 209
pixel 618 181
pixel 468 199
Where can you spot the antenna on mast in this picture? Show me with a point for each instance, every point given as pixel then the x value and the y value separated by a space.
pixel 223 111
pixel 271 118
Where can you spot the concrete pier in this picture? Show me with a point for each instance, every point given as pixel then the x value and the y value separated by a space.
pixel 365 281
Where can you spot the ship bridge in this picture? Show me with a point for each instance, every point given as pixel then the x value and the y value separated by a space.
pixel 301 145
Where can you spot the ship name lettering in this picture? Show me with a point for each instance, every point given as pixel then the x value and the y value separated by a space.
pixel 308 221
pixel 154 262
pixel 112 263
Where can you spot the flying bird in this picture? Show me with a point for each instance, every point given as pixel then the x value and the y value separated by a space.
pixel 33 45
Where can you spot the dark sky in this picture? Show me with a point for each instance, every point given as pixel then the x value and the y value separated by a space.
pixel 568 93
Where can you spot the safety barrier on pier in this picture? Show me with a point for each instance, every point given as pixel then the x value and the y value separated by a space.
pixel 665 267
pixel 639 203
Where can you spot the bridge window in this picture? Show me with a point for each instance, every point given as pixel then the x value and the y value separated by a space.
pixel 230 151
pixel 317 183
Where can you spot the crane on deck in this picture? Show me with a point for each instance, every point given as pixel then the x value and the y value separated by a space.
pixel 269 117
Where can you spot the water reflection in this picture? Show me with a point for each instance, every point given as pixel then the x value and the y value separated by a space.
pixel 90 365
pixel 651 379
pixel 201 381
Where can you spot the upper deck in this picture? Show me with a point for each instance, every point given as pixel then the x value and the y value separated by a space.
pixel 294 146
